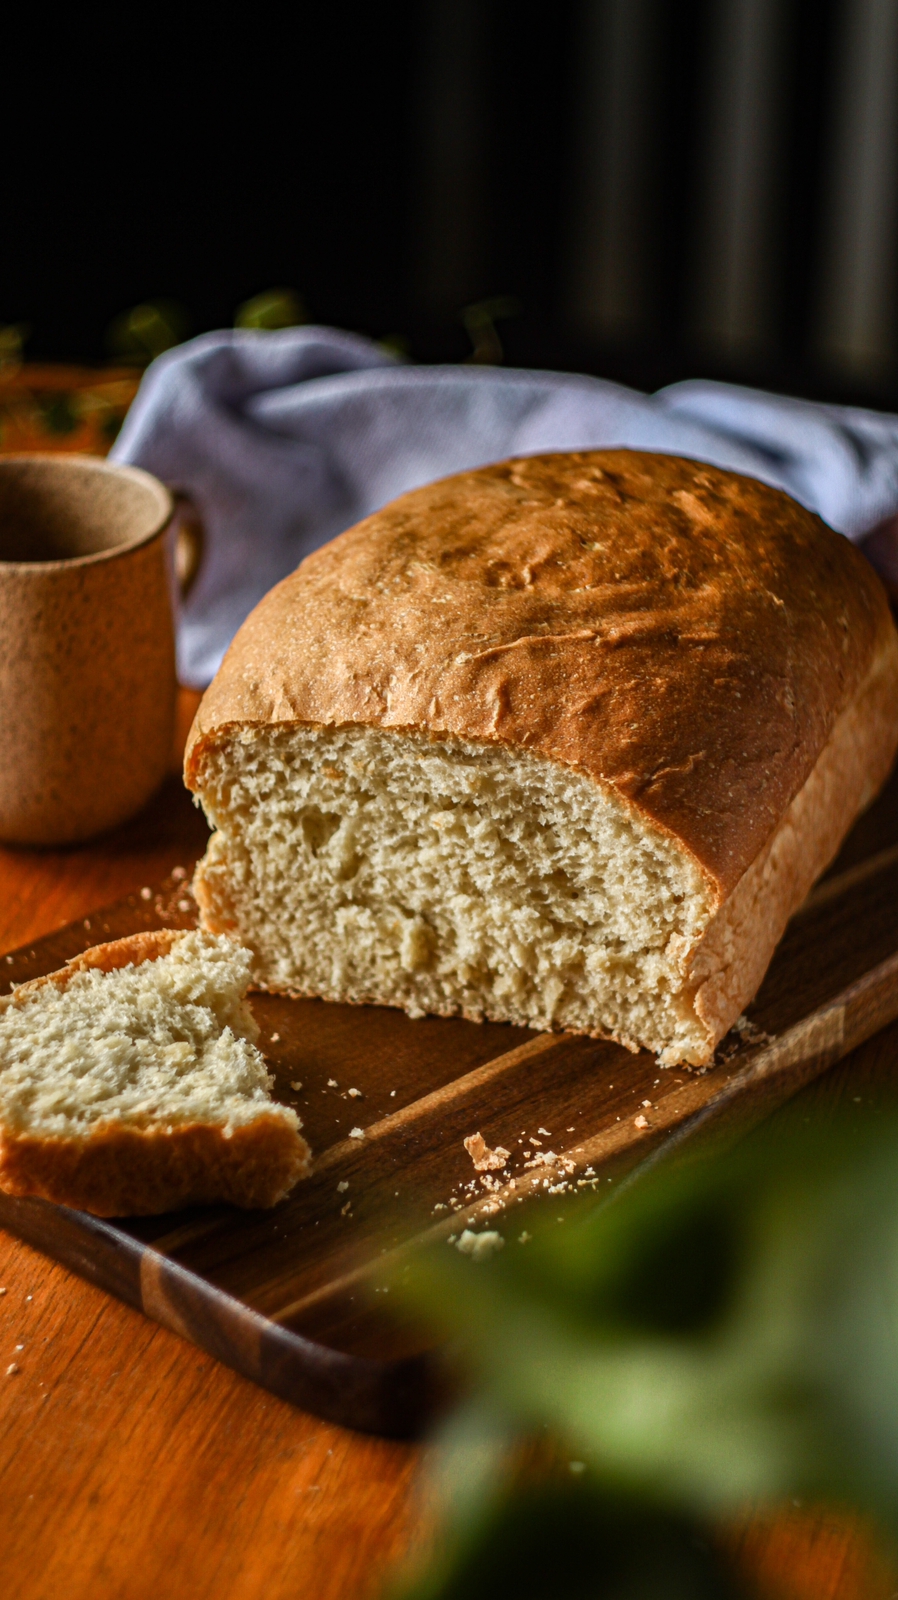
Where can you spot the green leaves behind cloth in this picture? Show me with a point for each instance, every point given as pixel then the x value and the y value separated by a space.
pixel 714 1334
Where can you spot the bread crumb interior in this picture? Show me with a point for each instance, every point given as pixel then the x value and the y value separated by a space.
pixel 450 878
pixel 165 1043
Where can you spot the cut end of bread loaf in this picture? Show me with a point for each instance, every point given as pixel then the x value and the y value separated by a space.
pixel 452 879
pixel 130 1083
pixel 461 879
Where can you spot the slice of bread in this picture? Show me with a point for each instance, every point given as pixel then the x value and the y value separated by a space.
pixel 130 1083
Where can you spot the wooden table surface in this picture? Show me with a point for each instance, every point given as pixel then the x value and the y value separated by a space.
pixel 132 1465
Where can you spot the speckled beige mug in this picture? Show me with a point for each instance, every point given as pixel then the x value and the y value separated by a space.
pixel 87 663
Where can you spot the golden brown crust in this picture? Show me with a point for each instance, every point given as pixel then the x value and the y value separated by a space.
pixel 141 1172
pixel 686 636
pixel 727 966
pixel 133 950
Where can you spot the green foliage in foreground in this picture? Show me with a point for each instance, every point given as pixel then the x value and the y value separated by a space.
pixel 574 1543
pixel 717 1333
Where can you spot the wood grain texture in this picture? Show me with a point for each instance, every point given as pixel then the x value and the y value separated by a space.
pixel 149 1469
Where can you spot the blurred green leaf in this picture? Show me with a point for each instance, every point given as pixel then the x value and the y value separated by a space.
pixel 59 414
pixel 273 308
pixel 557 1541
pixel 717 1333
pixel 146 331
pixel 111 425
pixel 13 337
pixel 479 321
pixel 397 344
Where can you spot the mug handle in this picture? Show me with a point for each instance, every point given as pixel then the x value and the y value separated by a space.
pixel 189 543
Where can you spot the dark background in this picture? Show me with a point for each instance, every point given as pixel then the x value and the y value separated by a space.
pixel 667 187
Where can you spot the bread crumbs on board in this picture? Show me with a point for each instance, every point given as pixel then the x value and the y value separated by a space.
pixel 485 1159
pixel 479 1246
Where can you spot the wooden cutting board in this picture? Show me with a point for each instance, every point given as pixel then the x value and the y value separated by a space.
pixel 297 1298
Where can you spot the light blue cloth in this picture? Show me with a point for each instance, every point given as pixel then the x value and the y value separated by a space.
pixel 283 439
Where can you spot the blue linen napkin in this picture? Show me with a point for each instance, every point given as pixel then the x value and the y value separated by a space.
pixel 283 439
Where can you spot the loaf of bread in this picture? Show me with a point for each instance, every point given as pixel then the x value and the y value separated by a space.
pixel 563 741
pixel 130 1083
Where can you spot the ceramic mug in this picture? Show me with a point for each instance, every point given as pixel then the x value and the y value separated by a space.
pixel 87 661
